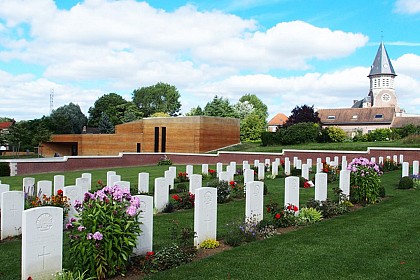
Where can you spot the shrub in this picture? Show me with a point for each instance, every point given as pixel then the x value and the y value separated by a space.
pixel 164 161
pixel 236 190
pixel 389 165
pixel 240 232
pixel 300 133
pixel 103 237
pixel 184 200
pixel 283 216
pixel 328 208
pixel 309 216
pixel 4 169
pixel 332 172
pixel 365 180
pixel 182 177
pixel 223 190
pixel 335 134
pixel 58 200
pixel 233 236
pixel 406 182
pixel 416 181
pixel 271 138
pixel 68 275
pixel 209 244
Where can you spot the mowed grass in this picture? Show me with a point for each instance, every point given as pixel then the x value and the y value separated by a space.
pixel 376 242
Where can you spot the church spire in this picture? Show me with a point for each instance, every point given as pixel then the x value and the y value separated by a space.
pixel 382 64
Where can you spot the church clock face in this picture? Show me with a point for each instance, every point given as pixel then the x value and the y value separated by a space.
pixel 386 97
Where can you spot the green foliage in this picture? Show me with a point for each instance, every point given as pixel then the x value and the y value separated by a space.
pixel 184 200
pixel 112 105
pixel 160 115
pixel 380 134
pixel 195 111
pixel 335 134
pixel 164 161
pixel 328 208
pixel 406 182
pixel 271 138
pixel 4 169
pixel 411 139
pixel 258 106
pixel 102 239
pixel 28 134
pixel 157 98
pixel 223 190
pixel 303 114
pixel 252 126
pixel 364 181
pixel 283 216
pixel 68 275
pixel 209 244
pixel 309 216
pixel 219 107
pixel 301 133
pixel 67 119
pixel 389 165
pixel 409 129
pixel 105 125
pixel 238 232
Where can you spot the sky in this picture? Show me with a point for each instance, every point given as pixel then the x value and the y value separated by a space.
pixel 286 52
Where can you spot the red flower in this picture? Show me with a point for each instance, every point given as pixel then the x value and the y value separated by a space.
pixel 176 197
pixel 277 216
pixel 306 185
pixel 211 171
pixel 60 192
pixel 29 278
pixel 149 255
pixel 268 209
pixel 295 208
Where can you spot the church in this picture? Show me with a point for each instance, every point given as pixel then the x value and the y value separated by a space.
pixel 379 109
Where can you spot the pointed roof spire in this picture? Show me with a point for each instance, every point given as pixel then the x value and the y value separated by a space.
pixel 382 63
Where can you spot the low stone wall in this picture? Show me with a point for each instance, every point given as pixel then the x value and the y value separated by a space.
pixel 47 165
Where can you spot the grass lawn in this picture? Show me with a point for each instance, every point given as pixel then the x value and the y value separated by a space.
pixel 376 242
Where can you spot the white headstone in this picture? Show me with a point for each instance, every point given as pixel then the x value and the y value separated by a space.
pixel 309 163
pixel 267 161
pixel 42 242
pixel 83 183
pixel 318 160
pixel 274 168
pixel 125 185
pixel 88 176
pixel 11 213
pixel 395 158
pixel 29 186
pixel 170 180
pixel 256 162
pixel 246 166
pixel 381 160
pixel 196 181
pixel 205 215
pixel 261 171
pixel 321 186
pixel 172 171
pixel 224 176
pixel 244 162
pixel 345 182
pixel 248 176
pixel 287 166
pixel 3 188
pixel 415 167
pixel 219 168
pixel 336 160
pixel 73 193
pixel 205 169
pixel 44 187
pixel 388 157
pixel 143 182
pixel 373 159
pixel 254 201
pixel 189 169
pixel 305 171
pixel 405 169
pixel 295 159
pixel 291 193
pixel 319 167
pixel 161 193
pixel 299 164
pixel 343 164
pixel 401 159
pixel 230 172
pixel 145 239
pixel 277 160
pixel 113 179
pixel 58 183
pixel 108 175
pixel 233 166
pixel 328 160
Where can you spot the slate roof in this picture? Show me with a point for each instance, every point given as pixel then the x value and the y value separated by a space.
pixel 382 64
pixel 278 119
pixel 357 116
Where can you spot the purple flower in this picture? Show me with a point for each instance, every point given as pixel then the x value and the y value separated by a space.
pixel 132 210
pixel 69 226
pixel 89 236
pixel 97 236
pixel 81 228
pixel 72 220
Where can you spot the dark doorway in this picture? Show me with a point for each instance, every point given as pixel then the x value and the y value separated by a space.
pixel 156 139
pixel 74 149
pixel 138 147
pixel 163 140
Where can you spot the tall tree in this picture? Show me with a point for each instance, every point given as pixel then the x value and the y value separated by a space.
pixel 259 107
pixel 67 119
pixel 157 98
pixel 303 114
pixel 105 125
pixel 195 111
pixel 252 126
pixel 28 134
pixel 110 104
pixel 219 107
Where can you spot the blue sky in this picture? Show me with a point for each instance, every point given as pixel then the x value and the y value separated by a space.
pixel 286 52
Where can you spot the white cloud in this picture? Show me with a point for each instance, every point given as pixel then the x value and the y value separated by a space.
pixel 407 6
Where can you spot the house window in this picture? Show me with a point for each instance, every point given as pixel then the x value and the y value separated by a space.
pixel 331 117
pixel 379 116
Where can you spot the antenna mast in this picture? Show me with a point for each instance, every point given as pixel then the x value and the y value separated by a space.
pixel 51 100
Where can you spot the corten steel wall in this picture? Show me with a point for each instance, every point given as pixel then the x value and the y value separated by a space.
pixel 26 167
pixel 195 134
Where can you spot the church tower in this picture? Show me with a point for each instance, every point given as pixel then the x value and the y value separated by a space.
pixel 382 74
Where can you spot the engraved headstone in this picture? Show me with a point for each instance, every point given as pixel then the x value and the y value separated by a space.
pixel 83 183
pixel 73 193
pixel 44 187
pixel 125 185
pixel 161 193
pixel 189 169
pixel 29 186
pixel 219 168
pixel 205 215
pixel 88 176
pixel 299 164
pixel 319 167
pixel 196 181
pixel 248 176
pixel 113 179
pixel 291 193
pixel 11 213
pixel 287 166
pixel 42 242
pixel 254 201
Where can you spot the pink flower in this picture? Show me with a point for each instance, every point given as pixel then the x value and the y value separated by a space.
pixel 97 236
pixel 81 228
pixel 89 236
pixel 131 210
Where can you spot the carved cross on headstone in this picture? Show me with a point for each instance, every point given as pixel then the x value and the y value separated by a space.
pixel 43 256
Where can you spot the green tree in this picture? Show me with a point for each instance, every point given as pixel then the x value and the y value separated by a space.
pixel 243 109
pixel 335 134
pixel 303 114
pixel 28 134
pixel 157 98
pixel 259 107
pixel 110 104
pixel 129 112
pixel 195 111
pixel 67 119
pixel 252 126
pixel 219 107
pixel 300 133
pixel 105 125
